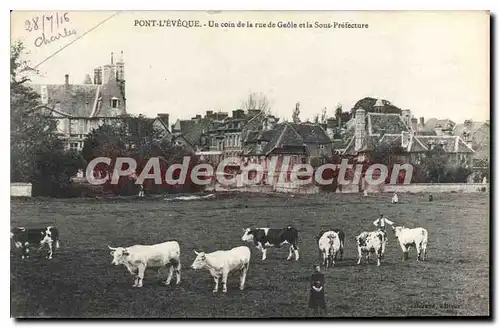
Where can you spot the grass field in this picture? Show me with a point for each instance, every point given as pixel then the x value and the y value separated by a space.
pixel 81 282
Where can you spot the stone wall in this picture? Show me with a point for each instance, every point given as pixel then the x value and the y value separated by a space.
pixel 20 189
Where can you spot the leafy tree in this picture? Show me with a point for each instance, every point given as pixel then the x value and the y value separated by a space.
pixel 87 80
pixel 296 113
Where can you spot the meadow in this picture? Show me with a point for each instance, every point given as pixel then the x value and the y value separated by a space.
pixel 80 281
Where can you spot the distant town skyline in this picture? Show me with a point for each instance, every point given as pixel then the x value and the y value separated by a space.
pixel 437 69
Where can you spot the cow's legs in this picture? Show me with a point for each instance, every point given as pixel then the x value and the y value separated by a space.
pixel 264 251
pixel 216 287
pixel 417 247
pixel 224 281
pixel 49 256
pixel 243 276
pixel 170 274
pixel 405 251
pixel 332 259
pixel 25 251
pixel 178 272
pixel 359 255
pixel 296 251
pixel 136 281
pixel 140 274
pixel 290 253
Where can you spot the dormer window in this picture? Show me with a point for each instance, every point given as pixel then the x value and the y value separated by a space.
pixel 115 102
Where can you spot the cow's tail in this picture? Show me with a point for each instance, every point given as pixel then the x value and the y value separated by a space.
pixel 57 244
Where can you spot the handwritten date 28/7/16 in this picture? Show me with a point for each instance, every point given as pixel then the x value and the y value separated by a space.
pixel 47 23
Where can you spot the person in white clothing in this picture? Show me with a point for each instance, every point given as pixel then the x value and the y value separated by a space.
pixel 395 199
pixel 381 222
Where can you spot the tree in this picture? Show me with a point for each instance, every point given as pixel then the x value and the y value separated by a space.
pixel 87 80
pixel 37 153
pixel 296 113
pixel 341 116
pixel 256 101
pixel 323 116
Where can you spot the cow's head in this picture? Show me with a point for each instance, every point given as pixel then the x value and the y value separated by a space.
pixel 199 261
pixel 247 235
pixel 397 231
pixel 119 255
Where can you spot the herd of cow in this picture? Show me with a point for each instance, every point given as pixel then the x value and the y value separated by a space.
pixel 221 263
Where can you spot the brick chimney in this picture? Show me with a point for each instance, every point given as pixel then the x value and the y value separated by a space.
pixel 330 127
pixel 360 129
pixel 422 121
pixel 414 124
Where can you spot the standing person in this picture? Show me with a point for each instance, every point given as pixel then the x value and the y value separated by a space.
pixel 317 291
pixel 380 224
pixel 395 198
pixel 141 191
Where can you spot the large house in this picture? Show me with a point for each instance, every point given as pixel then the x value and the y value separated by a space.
pixel 80 108
pixel 368 130
pixel 302 143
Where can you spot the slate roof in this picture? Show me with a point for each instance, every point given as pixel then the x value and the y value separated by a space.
pixel 473 127
pixel 74 100
pixel 311 133
pixel 385 123
pixel 451 144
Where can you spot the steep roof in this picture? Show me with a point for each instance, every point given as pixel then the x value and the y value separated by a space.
pixel 311 133
pixel 77 100
pixel 472 127
pixel 451 144
pixel 385 123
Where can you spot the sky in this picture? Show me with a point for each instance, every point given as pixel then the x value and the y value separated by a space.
pixel 436 64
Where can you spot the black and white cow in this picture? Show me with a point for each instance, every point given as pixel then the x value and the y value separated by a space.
pixel 267 237
pixel 25 238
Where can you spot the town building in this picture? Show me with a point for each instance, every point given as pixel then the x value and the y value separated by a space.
pixel 369 130
pixel 80 108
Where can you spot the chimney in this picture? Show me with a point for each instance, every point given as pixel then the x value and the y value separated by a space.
pixel 330 127
pixel 108 74
pixel 98 76
pixel 414 124
pixel 422 121
pixel 66 80
pixel 439 130
pixel 406 114
pixel 360 130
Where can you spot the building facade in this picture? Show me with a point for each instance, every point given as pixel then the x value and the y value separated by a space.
pixel 80 108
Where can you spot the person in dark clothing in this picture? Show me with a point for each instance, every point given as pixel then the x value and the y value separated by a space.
pixel 317 291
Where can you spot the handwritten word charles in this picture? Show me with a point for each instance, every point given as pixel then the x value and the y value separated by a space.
pixel 49 28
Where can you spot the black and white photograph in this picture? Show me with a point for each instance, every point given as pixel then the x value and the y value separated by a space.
pixel 250 164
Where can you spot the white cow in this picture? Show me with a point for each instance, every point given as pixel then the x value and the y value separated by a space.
pixel 371 242
pixel 221 263
pixel 416 237
pixel 138 257
pixel 329 245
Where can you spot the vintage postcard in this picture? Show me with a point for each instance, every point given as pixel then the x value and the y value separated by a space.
pixel 250 164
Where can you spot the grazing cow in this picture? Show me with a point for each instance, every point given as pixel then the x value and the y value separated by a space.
pixel 221 263
pixel 139 257
pixel 416 237
pixel 267 237
pixel 25 237
pixel 329 246
pixel 370 242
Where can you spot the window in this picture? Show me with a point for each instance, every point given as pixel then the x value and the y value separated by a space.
pixel 304 160
pixel 115 102
pixel 73 145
